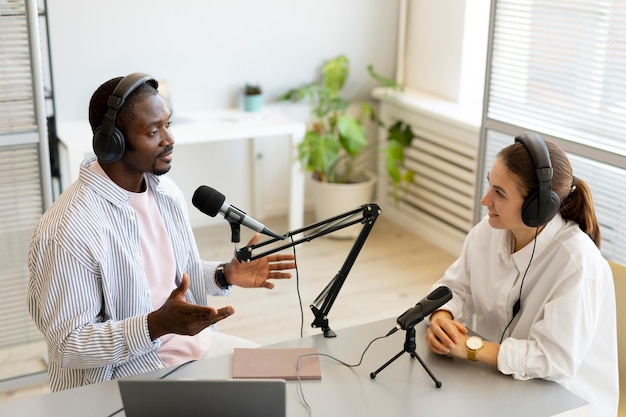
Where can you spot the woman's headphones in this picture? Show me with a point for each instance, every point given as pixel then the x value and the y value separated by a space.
pixel 542 204
pixel 108 140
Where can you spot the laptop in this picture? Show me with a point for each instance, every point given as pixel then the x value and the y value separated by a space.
pixel 204 398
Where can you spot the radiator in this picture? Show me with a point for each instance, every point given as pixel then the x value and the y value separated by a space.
pixel 439 204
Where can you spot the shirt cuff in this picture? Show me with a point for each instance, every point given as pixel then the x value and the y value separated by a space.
pixel 137 335
pixel 212 287
pixel 512 357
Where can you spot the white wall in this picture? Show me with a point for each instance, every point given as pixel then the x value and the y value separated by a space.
pixel 207 50
pixel 446 45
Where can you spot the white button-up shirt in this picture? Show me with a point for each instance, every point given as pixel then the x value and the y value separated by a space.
pixel 565 330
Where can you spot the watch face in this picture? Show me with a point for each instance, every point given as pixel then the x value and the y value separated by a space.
pixel 474 342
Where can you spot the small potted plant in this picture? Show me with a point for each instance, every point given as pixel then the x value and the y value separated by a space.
pixel 252 97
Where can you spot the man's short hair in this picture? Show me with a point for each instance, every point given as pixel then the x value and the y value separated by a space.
pixel 98 105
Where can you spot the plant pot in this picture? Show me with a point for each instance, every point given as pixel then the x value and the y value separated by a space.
pixel 253 103
pixel 334 199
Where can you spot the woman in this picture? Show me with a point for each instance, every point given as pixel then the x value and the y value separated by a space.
pixel 532 281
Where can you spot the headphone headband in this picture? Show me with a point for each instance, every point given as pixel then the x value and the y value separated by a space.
pixel 127 85
pixel 539 153
pixel 108 140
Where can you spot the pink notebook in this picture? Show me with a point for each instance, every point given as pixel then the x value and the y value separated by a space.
pixel 276 363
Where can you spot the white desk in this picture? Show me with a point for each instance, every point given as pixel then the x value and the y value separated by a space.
pixel 402 389
pixel 213 126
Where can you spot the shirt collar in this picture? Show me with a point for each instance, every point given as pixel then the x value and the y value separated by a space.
pixel 522 256
pixel 97 180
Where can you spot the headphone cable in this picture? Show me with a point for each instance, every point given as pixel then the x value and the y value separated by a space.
pixel 518 304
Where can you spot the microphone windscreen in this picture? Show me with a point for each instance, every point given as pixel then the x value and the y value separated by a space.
pixel 208 200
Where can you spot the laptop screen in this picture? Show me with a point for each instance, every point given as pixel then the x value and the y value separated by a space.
pixel 201 398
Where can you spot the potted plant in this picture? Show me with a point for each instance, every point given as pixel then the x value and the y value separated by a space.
pixel 252 97
pixel 336 136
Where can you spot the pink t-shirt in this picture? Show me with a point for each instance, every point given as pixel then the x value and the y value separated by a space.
pixel 159 265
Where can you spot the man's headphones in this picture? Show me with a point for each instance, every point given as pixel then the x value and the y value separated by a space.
pixel 541 205
pixel 108 140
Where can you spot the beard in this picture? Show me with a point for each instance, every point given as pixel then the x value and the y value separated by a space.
pixel 158 172
pixel 162 171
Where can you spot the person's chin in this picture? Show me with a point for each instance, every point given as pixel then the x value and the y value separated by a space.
pixel 161 169
pixel 495 222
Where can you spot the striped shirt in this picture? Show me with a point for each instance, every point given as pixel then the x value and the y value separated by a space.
pixel 88 292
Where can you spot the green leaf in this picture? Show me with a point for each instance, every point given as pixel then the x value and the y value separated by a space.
pixel 382 80
pixel 329 104
pixel 319 152
pixel 393 171
pixel 402 133
pixel 394 160
pixel 395 151
pixel 300 93
pixel 408 177
pixel 351 134
pixel 335 73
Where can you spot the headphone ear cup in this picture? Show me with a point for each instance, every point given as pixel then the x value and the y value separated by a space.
pixel 530 210
pixel 110 149
pixel 535 214
pixel 108 141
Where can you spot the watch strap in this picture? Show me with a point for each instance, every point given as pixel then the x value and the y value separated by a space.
pixel 220 277
pixel 473 344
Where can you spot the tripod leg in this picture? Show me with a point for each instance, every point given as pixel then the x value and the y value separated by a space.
pixel 438 383
pixel 376 372
pixel 409 347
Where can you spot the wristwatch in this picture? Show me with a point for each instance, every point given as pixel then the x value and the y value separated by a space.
pixel 220 277
pixel 473 344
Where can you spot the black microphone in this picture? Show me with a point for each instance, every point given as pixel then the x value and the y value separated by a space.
pixel 422 309
pixel 210 201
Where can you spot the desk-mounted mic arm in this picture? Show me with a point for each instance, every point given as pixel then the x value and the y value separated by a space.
pixel 323 303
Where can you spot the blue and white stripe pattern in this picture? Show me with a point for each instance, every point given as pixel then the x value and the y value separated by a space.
pixel 88 293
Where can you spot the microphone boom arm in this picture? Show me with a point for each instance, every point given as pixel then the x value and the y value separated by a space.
pixel 324 301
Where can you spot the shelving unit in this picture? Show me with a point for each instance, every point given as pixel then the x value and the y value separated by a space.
pixel 25 175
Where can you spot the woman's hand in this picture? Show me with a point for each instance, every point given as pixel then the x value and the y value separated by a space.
pixel 446 335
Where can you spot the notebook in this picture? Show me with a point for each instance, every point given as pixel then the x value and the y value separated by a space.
pixel 201 398
pixel 276 363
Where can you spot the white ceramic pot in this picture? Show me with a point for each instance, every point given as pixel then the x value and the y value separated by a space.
pixel 334 199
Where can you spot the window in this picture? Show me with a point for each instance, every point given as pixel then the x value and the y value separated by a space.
pixel 556 67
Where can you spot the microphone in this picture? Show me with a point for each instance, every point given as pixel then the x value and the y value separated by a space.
pixel 422 309
pixel 210 201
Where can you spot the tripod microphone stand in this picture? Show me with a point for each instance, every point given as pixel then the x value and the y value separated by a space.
pixel 409 347
pixel 410 318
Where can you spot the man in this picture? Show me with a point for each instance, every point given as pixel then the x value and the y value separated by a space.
pixel 117 285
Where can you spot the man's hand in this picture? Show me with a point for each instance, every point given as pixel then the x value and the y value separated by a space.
pixel 178 316
pixel 256 273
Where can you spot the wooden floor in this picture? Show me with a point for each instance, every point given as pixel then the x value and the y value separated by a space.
pixel 393 271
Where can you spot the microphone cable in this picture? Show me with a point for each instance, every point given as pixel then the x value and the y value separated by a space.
pixel 306 405
pixel 293 248
pixel 518 304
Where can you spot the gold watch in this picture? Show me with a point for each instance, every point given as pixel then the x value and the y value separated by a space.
pixel 473 344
